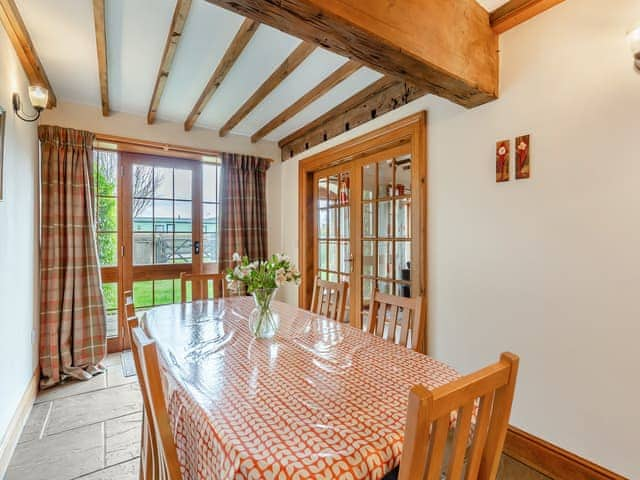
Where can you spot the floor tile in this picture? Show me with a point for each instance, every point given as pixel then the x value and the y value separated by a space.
pixel 511 469
pixel 122 471
pixel 73 387
pixel 115 377
pixel 111 360
pixel 59 457
pixel 122 438
pixel 93 407
pixel 35 423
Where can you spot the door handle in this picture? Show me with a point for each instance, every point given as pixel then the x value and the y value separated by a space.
pixel 196 248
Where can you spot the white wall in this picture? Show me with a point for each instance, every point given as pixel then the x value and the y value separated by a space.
pixel 19 277
pixel 548 267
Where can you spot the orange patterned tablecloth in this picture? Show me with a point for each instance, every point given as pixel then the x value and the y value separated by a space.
pixel 320 400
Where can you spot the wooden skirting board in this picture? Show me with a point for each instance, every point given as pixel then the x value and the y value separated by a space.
pixel 18 420
pixel 553 461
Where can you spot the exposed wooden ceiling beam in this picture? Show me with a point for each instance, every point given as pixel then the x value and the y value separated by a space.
pixel 449 49
pixel 312 95
pixel 101 48
pixel 378 98
pixel 180 14
pixel 22 44
pixel 239 42
pixel 515 12
pixel 289 64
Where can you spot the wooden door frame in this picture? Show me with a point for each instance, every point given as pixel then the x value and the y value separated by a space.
pixel 412 130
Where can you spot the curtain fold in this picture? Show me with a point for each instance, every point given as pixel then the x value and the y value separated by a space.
pixel 72 311
pixel 243 210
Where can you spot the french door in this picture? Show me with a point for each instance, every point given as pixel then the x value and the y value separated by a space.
pixel 363 220
pixel 167 224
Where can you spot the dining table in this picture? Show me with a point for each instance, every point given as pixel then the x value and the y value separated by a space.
pixel 319 400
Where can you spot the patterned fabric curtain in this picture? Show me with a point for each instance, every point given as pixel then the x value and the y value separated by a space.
pixel 243 209
pixel 72 312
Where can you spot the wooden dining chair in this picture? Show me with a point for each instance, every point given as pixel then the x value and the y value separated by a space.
pixel 129 313
pixel 476 450
pixel 329 299
pixel 389 312
pixel 200 285
pixel 167 466
pixel 148 448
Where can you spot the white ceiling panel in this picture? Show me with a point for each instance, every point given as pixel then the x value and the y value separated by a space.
pixel 320 64
pixel 63 35
pixel 352 85
pixel 207 33
pixel 136 34
pixel 264 53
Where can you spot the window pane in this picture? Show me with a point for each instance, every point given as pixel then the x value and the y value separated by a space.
pixel 384 287
pixel 368 258
pixel 322 255
pixel 367 219
pixel 385 260
pixel 322 193
pixel 333 256
pixel 143 294
pixel 183 248
pixel 333 277
pixel 106 173
pixel 403 175
pixel 345 257
pixel 385 179
pixel 369 181
pixel 210 182
pixel 345 188
pixel 182 183
pixel 210 247
pixel 183 216
pixel 385 219
pixel 142 215
pixel 403 218
pixel 110 291
pixel 333 190
pixel 142 181
pixel 162 292
pixel 323 223
pixel 403 290
pixel 333 223
pixel 107 249
pixel 162 182
pixel 163 248
pixel 344 222
pixel 142 248
pixel 403 261
pixel 162 214
pixel 209 217
pixel 107 214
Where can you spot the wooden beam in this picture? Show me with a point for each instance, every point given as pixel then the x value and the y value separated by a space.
pixel 239 42
pixel 447 47
pixel 101 48
pixel 515 12
pixel 289 65
pixel 22 44
pixel 180 14
pixel 378 98
pixel 312 95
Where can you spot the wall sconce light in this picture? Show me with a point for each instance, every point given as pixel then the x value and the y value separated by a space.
pixel 39 96
pixel 633 37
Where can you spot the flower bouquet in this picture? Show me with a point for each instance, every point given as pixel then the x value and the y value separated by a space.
pixel 262 279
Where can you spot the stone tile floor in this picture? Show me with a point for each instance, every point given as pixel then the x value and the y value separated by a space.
pixel 91 431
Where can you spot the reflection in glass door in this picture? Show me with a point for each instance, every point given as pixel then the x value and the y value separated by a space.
pixel 334 261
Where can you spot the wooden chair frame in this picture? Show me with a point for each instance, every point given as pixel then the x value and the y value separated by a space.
pixel 200 285
pixel 428 419
pixel 329 299
pixel 387 307
pixel 166 465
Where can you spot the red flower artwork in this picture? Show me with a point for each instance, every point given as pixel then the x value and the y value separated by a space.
pixel 502 161
pixel 523 169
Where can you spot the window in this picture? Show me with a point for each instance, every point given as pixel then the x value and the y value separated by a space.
pixel 210 211
pixel 105 176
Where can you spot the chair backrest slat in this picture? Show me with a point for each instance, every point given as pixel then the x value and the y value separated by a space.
pixel 385 311
pixel 200 285
pixel 428 418
pixel 329 299
pixel 147 352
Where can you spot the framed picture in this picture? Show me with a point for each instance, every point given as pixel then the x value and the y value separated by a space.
pixel 3 116
pixel 523 167
pixel 502 161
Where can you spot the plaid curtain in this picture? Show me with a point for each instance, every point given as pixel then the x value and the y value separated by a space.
pixel 243 209
pixel 72 312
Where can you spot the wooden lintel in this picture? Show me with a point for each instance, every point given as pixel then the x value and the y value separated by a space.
pixel 237 46
pixel 449 49
pixel 22 44
pixel 515 12
pixel 289 64
pixel 180 14
pixel 101 49
pixel 378 98
pixel 319 90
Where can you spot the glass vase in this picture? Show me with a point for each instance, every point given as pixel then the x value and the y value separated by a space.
pixel 263 322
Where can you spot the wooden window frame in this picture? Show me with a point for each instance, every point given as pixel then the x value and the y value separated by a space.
pixel 411 130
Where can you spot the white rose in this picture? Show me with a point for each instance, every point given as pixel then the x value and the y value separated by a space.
pixel 236 257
